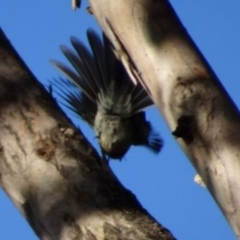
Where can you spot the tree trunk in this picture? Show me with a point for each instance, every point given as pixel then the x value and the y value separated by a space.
pixel 52 174
pixel 157 51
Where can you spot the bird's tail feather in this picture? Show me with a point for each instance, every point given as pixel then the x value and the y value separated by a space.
pixel 101 77
pixel 78 103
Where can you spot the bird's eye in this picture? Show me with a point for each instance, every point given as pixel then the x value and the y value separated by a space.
pixel 115 130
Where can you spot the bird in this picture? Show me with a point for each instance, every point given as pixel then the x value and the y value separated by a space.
pixel 98 89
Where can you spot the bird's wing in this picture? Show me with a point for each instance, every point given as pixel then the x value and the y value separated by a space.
pixel 144 134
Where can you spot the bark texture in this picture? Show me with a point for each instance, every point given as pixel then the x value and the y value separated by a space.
pixel 157 51
pixel 51 172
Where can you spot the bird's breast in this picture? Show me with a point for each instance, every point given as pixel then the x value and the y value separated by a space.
pixel 114 134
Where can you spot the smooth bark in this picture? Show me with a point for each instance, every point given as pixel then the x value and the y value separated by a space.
pixel 157 51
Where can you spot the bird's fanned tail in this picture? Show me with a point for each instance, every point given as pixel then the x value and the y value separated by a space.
pixel 96 70
pixel 74 100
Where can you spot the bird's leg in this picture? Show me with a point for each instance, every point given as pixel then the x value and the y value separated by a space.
pixel 105 157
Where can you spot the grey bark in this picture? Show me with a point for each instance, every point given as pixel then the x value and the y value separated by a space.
pixel 157 51
pixel 52 174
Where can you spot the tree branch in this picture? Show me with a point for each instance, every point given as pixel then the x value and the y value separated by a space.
pixel 157 51
pixel 51 172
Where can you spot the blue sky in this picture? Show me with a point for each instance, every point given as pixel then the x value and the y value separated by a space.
pixel 163 183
